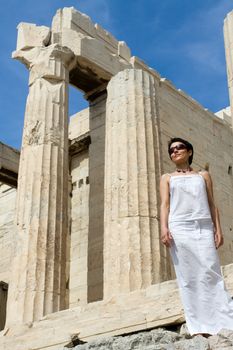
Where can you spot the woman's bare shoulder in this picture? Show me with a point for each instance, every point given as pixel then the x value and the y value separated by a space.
pixel 205 174
pixel 165 177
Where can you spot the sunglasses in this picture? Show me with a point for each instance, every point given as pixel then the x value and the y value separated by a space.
pixel 178 147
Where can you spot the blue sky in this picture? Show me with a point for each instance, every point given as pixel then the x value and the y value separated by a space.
pixel 181 39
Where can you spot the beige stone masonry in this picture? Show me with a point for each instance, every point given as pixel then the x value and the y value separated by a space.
pixel 228 38
pixel 38 281
pixel 138 63
pixel 96 201
pixel 96 50
pixel 79 124
pixel 71 19
pixel 133 256
pixel 30 35
pixel 79 130
pixel 156 306
pixel 225 114
pixel 124 51
pixel 9 164
pixel 7 229
pixel 9 158
pixel 78 286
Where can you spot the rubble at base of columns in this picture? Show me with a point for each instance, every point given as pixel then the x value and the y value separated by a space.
pixel 160 339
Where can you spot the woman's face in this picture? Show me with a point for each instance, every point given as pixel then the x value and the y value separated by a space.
pixel 179 153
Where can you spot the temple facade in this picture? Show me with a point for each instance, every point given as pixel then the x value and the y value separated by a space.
pixel 80 244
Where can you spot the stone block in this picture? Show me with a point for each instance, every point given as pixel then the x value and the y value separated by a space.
pixel 93 54
pixel 9 164
pixel 95 276
pixel 79 124
pixel 138 63
pixel 124 51
pixel 78 248
pixel 30 35
pixel 75 271
pixel 222 340
pixel 95 293
pixel 9 158
pixel 78 296
pixel 70 18
pixel 7 230
pixel 78 21
pixel 97 122
pixel 106 37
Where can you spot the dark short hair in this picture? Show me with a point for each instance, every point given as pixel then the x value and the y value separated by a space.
pixel 185 142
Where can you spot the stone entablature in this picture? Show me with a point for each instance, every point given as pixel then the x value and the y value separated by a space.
pixel 9 165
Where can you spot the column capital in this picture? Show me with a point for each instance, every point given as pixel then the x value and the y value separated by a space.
pixel 51 62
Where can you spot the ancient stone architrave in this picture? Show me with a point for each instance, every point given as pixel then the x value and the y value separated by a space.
pixel 9 164
pixel 228 38
pixel 38 283
pixel 132 249
pixel 98 53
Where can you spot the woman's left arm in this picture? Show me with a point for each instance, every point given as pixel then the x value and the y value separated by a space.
pixel 218 235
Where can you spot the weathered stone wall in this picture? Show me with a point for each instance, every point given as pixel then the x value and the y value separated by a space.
pixel 79 171
pixel 79 229
pixel 9 163
pixel 7 230
pixel 87 173
pixel 96 202
pixel 212 140
pixel 79 124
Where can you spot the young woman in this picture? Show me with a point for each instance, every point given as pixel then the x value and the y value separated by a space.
pixel 190 227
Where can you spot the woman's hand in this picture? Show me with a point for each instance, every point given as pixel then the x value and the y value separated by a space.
pixel 218 238
pixel 166 237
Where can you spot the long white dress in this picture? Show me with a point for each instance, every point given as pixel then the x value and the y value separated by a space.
pixel 207 305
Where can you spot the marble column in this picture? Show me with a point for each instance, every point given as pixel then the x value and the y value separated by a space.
pixel 228 39
pixel 38 283
pixel 133 256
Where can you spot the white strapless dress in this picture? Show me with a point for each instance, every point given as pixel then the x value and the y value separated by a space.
pixel 207 305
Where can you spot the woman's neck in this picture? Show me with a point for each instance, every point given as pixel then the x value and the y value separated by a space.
pixel 184 168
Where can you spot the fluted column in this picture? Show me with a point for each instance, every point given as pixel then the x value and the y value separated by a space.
pixel 133 256
pixel 38 283
pixel 228 38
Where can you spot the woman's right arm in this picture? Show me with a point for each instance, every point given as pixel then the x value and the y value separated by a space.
pixel 166 236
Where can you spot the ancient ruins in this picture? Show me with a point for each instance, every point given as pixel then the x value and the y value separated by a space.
pixel 80 250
